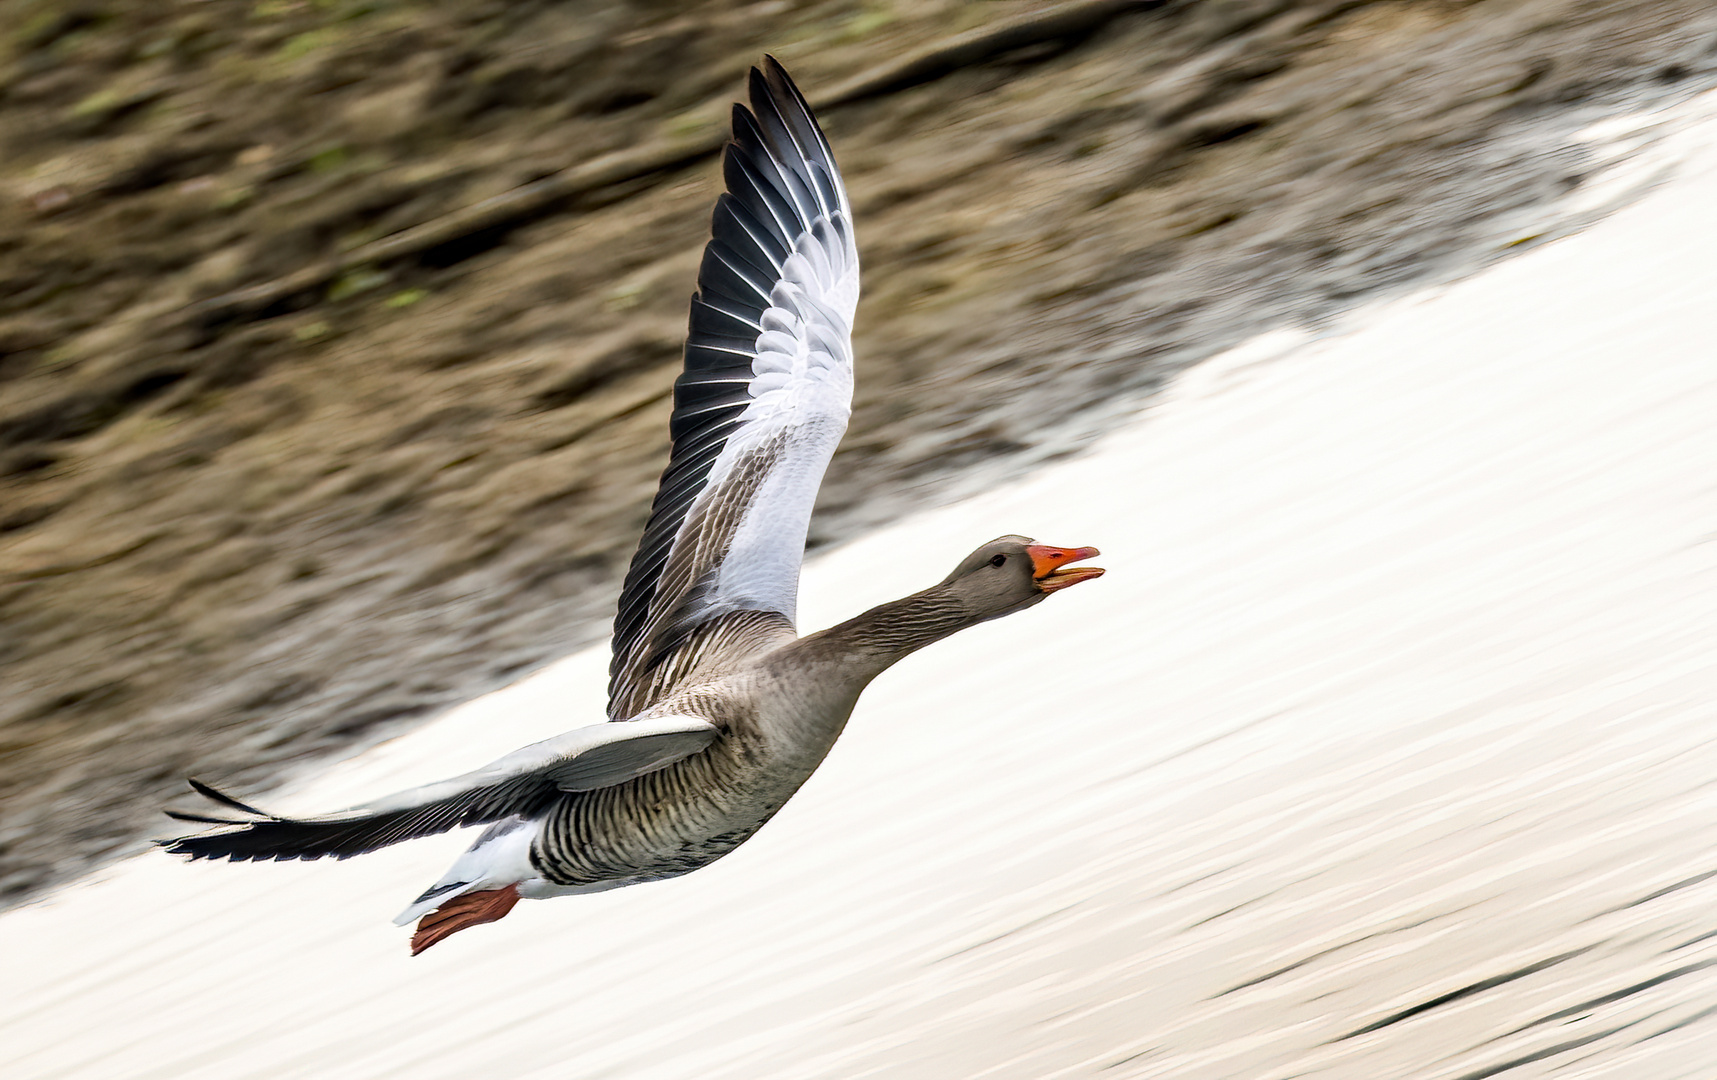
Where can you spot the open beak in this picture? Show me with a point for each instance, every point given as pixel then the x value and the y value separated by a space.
pixel 1050 569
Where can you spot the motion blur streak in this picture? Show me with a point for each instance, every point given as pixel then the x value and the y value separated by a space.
pixel 1385 751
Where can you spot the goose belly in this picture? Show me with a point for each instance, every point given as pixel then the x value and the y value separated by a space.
pixel 666 823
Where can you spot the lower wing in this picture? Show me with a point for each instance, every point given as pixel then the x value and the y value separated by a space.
pixel 524 782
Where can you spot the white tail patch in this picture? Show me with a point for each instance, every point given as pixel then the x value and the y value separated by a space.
pixel 500 857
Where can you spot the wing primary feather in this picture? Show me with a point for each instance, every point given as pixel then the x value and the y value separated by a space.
pixel 807 135
pixel 753 174
pixel 747 207
pixel 784 150
pixel 224 799
pixel 204 819
pixel 709 414
pixel 763 171
pixel 738 244
pixel 712 310
pixel 699 409
pixel 726 280
pixel 737 224
pixel 716 366
pixel 760 281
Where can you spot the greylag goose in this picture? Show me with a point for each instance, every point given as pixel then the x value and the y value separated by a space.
pixel 718 711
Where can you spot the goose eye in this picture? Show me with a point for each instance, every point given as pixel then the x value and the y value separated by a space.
pixel 997 560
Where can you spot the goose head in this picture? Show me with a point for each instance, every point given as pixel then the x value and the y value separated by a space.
pixel 1014 572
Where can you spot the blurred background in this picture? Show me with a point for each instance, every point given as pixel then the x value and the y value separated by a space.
pixel 336 336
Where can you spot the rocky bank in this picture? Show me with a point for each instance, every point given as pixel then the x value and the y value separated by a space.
pixel 336 336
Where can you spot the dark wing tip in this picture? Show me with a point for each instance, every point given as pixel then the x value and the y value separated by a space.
pixel 775 74
pixel 182 845
pixel 256 841
pixel 201 819
pixel 224 799
pixel 213 845
pixel 781 84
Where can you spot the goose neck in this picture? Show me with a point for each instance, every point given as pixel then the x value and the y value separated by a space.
pixel 865 646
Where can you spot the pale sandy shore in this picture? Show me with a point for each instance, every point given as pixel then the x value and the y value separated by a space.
pixel 1388 748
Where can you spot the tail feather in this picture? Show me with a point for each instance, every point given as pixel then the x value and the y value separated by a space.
pixel 501 857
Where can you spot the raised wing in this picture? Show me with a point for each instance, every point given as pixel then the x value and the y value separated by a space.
pixel 523 782
pixel 762 404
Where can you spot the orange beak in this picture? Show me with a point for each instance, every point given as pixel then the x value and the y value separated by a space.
pixel 1050 570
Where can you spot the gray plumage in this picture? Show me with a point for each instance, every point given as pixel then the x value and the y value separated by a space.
pixel 719 711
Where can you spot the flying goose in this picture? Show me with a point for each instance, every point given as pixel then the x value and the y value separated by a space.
pixel 718 711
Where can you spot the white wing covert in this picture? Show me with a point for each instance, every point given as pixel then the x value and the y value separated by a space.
pixel 763 400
